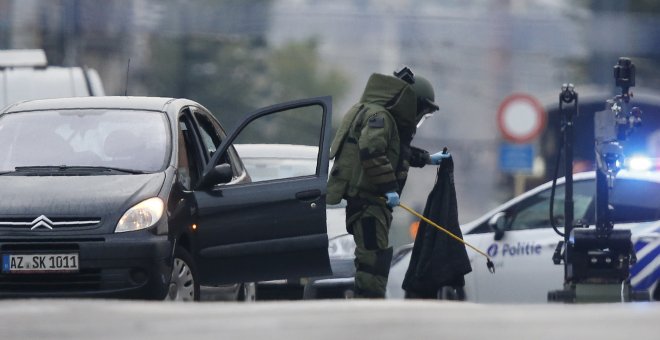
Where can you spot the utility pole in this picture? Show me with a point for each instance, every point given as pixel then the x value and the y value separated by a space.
pixel 71 30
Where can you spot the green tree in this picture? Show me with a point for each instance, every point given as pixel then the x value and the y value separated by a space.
pixel 296 70
pixel 214 71
pixel 233 76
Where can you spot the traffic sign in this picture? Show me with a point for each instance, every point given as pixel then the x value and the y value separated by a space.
pixel 520 118
pixel 516 158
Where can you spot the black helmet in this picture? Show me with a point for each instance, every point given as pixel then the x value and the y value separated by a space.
pixel 423 90
pixel 425 96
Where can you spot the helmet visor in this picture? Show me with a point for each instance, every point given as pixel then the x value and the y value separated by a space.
pixel 425 105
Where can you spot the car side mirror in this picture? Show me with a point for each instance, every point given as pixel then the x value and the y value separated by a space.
pixel 498 224
pixel 222 173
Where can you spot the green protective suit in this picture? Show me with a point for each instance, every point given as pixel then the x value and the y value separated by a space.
pixel 372 155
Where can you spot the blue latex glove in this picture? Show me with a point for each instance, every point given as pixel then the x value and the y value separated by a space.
pixel 437 157
pixel 392 199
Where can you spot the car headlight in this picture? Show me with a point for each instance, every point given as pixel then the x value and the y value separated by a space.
pixel 342 247
pixel 142 215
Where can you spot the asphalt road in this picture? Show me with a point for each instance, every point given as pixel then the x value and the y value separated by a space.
pixel 337 320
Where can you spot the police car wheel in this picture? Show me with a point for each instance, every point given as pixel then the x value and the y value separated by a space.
pixel 184 283
pixel 451 293
pixel 447 293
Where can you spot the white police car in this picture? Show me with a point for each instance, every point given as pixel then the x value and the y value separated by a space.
pixel 522 251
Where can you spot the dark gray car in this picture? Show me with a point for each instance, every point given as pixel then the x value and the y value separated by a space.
pixel 145 197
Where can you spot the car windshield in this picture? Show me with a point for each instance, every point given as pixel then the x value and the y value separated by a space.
pixel 103 138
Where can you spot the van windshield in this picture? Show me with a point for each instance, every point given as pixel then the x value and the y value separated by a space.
pixel 122 139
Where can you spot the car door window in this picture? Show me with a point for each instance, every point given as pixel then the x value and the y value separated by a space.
pixel 534 212
pixel 189 163
pixel 208 134
pixel 211 135
pixel 282 145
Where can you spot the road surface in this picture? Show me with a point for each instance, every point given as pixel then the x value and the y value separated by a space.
pixel 337 320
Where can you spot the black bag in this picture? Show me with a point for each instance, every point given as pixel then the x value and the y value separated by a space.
pixel 437 259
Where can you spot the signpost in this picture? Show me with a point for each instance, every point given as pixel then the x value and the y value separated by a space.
pixel 521 119
pixel 516 158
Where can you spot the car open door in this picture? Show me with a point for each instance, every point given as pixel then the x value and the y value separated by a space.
pixel 275 228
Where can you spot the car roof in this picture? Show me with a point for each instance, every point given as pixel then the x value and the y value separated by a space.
pixel 653 176
pixel 106 102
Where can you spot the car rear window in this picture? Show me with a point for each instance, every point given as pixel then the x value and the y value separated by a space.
pixel 135 140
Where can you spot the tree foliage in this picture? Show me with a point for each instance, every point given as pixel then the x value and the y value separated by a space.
pixel 233 76
pixel 296 71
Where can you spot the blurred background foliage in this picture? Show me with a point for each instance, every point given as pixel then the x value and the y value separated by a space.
pixel 231 77
pixel 234 56
pixel 213 52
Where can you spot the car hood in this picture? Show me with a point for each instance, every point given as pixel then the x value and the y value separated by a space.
pixel 75 196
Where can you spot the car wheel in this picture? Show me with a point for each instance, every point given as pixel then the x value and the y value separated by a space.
pixel 309 291
pixel 247 292
pixel 451 293
pixel 184 283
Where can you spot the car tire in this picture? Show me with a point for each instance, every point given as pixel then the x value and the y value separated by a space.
pixel 247 292
pixel 309 291
pixel 184 282
pixel 446 293
pixel 451 293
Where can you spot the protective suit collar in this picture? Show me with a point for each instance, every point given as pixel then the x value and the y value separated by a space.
pixel 396 96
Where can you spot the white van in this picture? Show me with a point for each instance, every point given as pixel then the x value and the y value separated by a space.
pixel 25 74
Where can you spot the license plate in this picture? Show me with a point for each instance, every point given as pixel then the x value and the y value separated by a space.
pixel 40 263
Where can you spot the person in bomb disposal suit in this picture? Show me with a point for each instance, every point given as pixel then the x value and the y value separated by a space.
pixel 372 155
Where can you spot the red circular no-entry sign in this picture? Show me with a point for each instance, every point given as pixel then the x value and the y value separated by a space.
pixel 520 118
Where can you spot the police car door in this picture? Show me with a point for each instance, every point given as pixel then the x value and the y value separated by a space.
pixel 522 256
pixel 274 228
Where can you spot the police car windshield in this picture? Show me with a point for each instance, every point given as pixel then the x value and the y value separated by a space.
pixel 133 140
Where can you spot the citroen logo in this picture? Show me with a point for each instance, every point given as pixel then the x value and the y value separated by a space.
pixel 41 221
